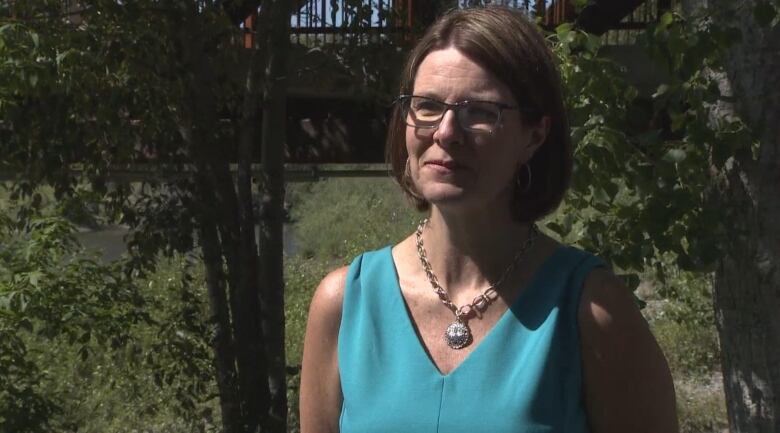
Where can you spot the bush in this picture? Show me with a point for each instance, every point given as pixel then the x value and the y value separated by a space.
pixel 85 346
pixel 685 325
pixel 683 321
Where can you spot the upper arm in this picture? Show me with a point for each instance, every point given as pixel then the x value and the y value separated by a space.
pixel 627 383
pixel 320 393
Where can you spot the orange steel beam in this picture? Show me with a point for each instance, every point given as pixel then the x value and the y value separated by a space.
pixel 249 30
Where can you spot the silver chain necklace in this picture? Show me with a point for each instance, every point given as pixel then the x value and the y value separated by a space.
pixel 458 334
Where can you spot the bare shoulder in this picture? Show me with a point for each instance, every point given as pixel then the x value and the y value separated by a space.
pixel 330 292
pixel 320 392
pixel 605 300
pixel 626 379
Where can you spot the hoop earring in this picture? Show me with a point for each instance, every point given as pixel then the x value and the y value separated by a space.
pixel 523 186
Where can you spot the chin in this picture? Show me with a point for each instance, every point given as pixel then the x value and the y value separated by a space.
pixel 447 195
pixel 456 197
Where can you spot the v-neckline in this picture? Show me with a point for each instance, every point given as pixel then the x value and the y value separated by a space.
pixel 533 282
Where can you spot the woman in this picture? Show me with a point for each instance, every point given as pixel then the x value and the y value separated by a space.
pixel 478 322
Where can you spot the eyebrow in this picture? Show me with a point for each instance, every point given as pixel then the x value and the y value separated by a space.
pixel 476 99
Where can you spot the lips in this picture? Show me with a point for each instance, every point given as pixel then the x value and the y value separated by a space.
pixel 448 164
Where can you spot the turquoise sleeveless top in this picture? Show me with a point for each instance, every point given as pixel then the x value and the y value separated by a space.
pixel 523 377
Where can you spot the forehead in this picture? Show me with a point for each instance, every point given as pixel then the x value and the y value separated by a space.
pixel 450 75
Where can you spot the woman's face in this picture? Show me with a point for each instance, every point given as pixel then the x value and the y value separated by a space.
pixel 452 167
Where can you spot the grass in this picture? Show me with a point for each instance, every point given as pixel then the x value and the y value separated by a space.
pixel 701 405
pixel 371 213
pixel 337 219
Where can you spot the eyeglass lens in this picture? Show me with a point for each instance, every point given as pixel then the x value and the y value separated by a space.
pixel 471 115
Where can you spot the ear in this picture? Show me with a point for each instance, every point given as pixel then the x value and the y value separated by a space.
pixel 538 134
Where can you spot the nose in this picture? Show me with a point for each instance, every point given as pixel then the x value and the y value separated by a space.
pixel 449 131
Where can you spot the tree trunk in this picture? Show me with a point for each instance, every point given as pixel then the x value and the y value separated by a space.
pixel 271 234
pixel 747 283
pixel 221 341
pixel 254 368
pixel 227 239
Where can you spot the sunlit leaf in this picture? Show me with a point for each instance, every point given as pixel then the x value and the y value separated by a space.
pixel 675 156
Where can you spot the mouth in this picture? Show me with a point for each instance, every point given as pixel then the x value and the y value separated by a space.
pixel 446 164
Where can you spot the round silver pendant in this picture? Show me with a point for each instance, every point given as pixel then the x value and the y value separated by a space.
pixel 457 335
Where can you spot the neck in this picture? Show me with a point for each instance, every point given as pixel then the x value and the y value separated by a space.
pixel 468 253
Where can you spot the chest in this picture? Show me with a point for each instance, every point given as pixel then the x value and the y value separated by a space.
pixel 430 319
pixel 519 374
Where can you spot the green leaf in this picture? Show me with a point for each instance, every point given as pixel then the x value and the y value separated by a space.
pixel 611 189
pixel 675 156
pixel 5 301
pixel 592 43
pixel 600 195
pixel 23 302
pixel 662 89
pixel 666 19
pixel 26 324
pixel 678 121
pixel 61 56
pixel 85 337
pixel 34 278
pixel 36 40
pixel 564 28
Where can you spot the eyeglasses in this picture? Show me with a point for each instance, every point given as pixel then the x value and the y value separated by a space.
pixel 474 116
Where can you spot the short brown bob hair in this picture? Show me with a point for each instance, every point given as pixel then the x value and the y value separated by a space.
pixel 506 43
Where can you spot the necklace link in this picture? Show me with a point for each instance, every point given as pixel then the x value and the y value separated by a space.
pixel 458 334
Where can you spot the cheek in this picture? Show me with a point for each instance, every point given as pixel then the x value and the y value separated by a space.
pixel 502 149
pixel 414 145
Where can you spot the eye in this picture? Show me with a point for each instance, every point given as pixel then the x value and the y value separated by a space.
pixel 478 112
pixel 426 106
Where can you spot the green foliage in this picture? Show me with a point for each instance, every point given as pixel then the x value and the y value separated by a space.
pixel 24 407
pixel 52 291
pixel 645 187
pixel 108 89
pixel 681 315
pixel 86 346
pixel 643 182
pixel 685 324
pixel 165 373
pixel 175 351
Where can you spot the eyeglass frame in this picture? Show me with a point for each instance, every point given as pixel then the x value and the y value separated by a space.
pixel 456 107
